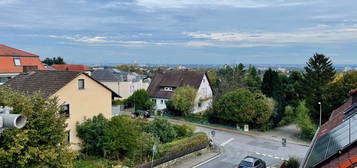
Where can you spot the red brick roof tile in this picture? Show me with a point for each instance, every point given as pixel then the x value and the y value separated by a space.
pixel 70 67
pixel 9 51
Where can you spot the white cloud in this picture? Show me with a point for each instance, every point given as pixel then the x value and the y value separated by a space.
pixel 318 34
pixel 226 3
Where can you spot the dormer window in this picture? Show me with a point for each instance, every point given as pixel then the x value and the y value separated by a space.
pixel 17 61
pixel 167 88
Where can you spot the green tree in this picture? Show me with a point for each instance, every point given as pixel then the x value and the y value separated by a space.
pixel 338 91
pixel 289 116
pixel 162 129
pixel 183 99
pixel 131 68
pixel 271 83
pixel 229 78
pixel 41 143
pixel 242 107
pixel 140 100
pixel 54 60
pixel 91 132
pixel 304 122
pixel 319 72
pixel 252 80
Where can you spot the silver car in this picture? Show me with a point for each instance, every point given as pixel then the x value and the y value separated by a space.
pixel 252 162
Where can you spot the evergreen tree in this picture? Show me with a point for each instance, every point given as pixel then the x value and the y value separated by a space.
pixel 271 82
pixel 54 60
pixel 319 72
pixel 252 80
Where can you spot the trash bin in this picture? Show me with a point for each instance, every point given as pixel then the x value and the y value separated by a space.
pixel 283 142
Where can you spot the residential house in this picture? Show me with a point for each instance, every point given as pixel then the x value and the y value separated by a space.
pixel 335 142
pixel 123 83
pixel 80 96
pixel 14 61
pixel 163 86
pixel 72 67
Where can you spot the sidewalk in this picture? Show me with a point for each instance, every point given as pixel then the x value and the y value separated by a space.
pixel 194 162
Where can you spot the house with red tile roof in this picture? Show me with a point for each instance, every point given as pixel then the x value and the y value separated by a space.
pixel 335 142
pixel 72 68
pixel 14 61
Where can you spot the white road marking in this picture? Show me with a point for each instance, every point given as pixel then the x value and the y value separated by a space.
pixel 225 143
pixel 276 157
pixel 270 155
pixel 263 154
pixel 206 161
pixel 257 153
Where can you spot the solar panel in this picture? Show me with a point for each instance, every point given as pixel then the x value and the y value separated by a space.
pixel 333 141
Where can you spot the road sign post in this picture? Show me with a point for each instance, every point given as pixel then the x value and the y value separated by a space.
pixel 154 149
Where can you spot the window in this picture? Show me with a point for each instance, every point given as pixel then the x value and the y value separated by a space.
pixel 17 62
pixel 199 104
pixel 162 101
pixel 64 110
pixel 168 88
pixel 69 136
pixel 80 83
pixel 256 163
pixel 154 100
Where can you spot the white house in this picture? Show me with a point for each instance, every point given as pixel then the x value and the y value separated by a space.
pixel 163 86
pixel 122 83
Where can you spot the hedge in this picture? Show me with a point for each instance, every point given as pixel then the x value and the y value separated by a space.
pixel 179 145
pixel 179 148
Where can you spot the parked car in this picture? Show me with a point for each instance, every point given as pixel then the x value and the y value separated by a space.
pixel 252 162
pixel 144 113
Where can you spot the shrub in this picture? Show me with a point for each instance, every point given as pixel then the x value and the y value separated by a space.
pixel 293 162
pixel 91 132
pixel 242 107
pixel 304 122
pixel 184 130
pixel 141 100
pixel 162 129
pixel 182 144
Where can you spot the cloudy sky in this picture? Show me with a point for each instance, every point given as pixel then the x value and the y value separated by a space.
pixel 182 31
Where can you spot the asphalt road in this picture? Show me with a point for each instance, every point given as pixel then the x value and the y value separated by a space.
pixel 237 146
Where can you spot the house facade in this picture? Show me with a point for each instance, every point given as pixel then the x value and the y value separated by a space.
pixel 163 86
pixel 335 142
pixel 123 83
pixel 14 61
pixel 80 96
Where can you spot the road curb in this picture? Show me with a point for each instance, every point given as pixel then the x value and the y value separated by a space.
pixel 251 133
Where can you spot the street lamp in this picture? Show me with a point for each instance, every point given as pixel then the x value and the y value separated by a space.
pixel 320 114
pixel 8 120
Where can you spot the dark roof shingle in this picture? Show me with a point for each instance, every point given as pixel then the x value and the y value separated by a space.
pixel 174 79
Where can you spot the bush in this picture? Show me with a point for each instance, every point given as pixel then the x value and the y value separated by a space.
pixel 162 129
pixel 304 122
pixel 93 162
pixel 242 107
pixel 184 130
pixel 288 117
pixel 91 132
pixel 293 162
pixel 141 100
pixel 182 100
pixel 182 144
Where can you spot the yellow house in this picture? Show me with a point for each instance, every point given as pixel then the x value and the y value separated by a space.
pixel 80 96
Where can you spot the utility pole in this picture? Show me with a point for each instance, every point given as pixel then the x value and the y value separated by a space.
pixel 320 113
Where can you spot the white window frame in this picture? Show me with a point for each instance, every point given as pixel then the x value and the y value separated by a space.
pixel 17 61
pixel 79 86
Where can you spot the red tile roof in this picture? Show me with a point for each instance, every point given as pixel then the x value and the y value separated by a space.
pixel 9 51
pixel 7 64
pixel 70 67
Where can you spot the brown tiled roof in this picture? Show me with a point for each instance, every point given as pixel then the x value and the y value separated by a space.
pixel 70 67
pixel 46 82
pixel 9 51
pixel 174 79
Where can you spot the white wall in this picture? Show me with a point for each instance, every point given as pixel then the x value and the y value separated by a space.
pixel 160 103
pixel 204 96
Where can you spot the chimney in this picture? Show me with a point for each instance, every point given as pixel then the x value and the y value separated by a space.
pixel 354 96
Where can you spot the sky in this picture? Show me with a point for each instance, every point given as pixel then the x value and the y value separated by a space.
pixel 182 31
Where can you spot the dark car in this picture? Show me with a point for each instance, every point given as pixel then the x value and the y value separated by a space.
pixel 144 113
pixel 252 162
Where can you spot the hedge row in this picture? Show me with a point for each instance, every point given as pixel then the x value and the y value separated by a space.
pixel 182 144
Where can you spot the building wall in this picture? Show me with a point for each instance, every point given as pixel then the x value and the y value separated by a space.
pixel 126 89
pixel 114 86
pixel 204 96
pixel 160 104
pixel 84 103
